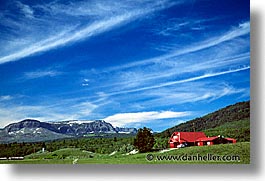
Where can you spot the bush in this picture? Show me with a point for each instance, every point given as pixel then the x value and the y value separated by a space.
pixel 126 148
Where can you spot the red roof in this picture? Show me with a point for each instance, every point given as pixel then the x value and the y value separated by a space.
pixel 189 136
pixel 207 138
pixel 193 137
pixel 213 138
pixel 230 139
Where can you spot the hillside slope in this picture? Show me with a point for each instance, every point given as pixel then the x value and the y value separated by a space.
pixel 212 123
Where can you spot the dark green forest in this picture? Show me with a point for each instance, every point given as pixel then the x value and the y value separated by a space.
pixel 97 145
pixel 231 121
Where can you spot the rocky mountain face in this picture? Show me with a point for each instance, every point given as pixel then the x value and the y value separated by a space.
pixel 34 130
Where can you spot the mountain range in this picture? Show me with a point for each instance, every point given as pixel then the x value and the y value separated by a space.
pixel 233 121
pixel 30 130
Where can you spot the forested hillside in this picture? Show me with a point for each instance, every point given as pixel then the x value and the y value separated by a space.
pixel 231 121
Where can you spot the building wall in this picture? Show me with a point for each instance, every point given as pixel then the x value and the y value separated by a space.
pixel 200 143
pixel 209 143
pixel 171 145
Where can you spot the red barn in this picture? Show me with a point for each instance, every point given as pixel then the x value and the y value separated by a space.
pixel 214 140
pixel 179 139
pixel 182 139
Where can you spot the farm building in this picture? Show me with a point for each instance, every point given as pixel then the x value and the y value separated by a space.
pixel 182 139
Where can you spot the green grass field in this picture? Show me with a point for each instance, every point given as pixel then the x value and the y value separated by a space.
pixel 68 155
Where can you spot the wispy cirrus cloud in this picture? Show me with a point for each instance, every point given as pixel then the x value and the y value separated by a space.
pixel 181 95
pixel 99 20
pixel 90 30
pixel 41 73
pixel 6 98
pixel 25 9
pixel 133 78
pixel 240 30
pixel 174 70
pixel 172 27
pixel 171 83
pixel 168 92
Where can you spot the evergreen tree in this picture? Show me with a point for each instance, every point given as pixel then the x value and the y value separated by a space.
pixel 144 140
pixel 115 139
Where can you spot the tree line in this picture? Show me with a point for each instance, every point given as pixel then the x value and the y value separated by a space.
pixel 144 141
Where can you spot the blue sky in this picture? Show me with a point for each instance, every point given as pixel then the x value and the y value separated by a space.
pixel 132 63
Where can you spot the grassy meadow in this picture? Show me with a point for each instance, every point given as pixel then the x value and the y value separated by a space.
pixel 78 156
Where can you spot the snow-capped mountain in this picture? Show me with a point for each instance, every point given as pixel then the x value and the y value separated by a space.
pixel 34 130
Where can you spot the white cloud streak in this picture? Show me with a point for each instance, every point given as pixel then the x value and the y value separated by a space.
pixel 182 95
pixel 130 79
pixel 89 31
pixel 26 10
pixel 105 23
pixel 6 98
pixel 170 83
pixel 123 119
pixel 41 73
pixel 242 29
